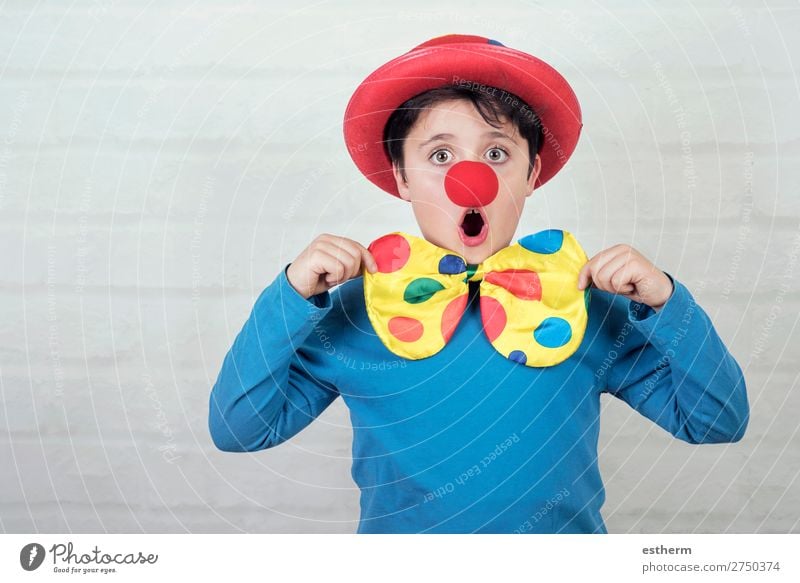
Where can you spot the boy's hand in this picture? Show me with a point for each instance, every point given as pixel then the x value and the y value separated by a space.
pixel 328 261
pixel 622 269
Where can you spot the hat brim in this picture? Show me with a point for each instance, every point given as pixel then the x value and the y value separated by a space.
pixel 535 82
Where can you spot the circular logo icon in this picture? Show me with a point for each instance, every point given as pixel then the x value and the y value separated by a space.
pixel 31 556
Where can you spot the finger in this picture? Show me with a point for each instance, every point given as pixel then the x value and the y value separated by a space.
pixel 329 266
pixel 368 259
pixel 362 254
pixel 349 257
pixel 365 258
pixel 585 274
pixel 610 268
pixel 589 271
pixel 582 277
pixel 628 277
pixel 623 278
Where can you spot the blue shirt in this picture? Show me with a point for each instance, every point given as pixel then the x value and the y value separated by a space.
pixel 467 440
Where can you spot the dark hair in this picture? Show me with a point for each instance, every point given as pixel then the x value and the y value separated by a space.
pixel 491 102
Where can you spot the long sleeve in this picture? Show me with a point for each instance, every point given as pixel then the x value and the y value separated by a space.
pixel 273 381
pixel 673 368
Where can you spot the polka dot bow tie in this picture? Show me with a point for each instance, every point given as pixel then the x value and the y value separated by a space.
pixel 531 308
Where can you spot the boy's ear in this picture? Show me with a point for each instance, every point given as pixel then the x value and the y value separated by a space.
pixel 402 185
pixel 537 168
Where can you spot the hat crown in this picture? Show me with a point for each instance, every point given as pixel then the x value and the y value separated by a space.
pixel 448 39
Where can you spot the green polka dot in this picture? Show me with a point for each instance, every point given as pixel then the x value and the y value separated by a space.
pixel 421 290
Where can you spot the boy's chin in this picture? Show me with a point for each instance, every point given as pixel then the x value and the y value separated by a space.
pixel 477 253
pixel 473 254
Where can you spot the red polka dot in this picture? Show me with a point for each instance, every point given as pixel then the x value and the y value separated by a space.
pixel 405 329
pixel 391 252
pixel 493 316
pixel 523 283
pixel 452 316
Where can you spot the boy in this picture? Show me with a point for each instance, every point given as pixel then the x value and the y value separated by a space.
pixel 454 430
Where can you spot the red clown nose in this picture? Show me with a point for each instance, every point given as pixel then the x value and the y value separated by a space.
pixel 471 184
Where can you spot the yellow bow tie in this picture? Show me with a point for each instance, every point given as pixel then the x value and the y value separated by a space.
pixel 531 308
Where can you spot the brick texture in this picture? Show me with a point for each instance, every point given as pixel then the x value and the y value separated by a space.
pixel 159 164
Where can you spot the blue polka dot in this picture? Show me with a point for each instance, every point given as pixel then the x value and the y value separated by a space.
pixel 548 241
pixel 553 332
pixel 518 356
pixel 452 264
pixel 491 41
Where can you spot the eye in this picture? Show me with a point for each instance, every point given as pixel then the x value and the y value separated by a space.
pixel 497 154
pixel 441 156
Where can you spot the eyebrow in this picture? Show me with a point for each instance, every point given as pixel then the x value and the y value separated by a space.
pixel 489 134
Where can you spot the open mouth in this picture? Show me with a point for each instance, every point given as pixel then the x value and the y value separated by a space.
pixel 473 227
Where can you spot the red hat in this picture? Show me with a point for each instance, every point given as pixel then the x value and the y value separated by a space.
pixel 460 59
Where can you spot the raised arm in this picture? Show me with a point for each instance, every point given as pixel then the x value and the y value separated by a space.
pixel 274 380
pixel 673 368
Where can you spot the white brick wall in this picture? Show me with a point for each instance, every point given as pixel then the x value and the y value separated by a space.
pixel 155 174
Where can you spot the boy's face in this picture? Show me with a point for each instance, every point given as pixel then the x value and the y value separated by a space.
pixel 427 163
